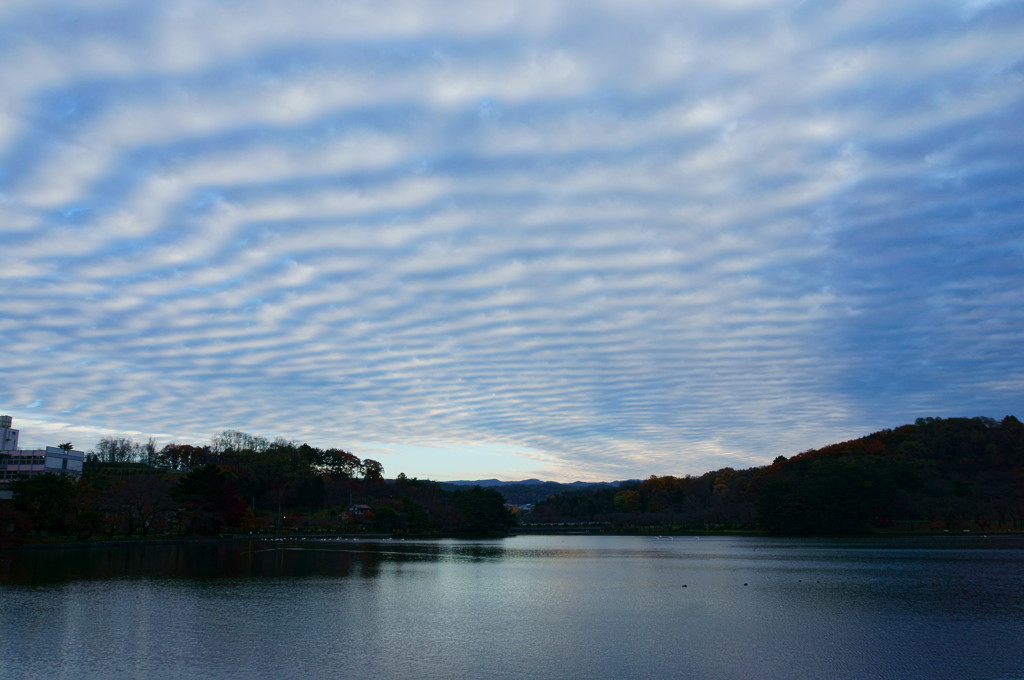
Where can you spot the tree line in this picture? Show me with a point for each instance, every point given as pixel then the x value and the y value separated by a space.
pixel 239 483
pixel 936 475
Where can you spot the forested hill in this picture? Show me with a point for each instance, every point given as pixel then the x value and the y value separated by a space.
pixel 938 474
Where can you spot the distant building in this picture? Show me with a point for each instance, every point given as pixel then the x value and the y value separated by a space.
pixel 15 462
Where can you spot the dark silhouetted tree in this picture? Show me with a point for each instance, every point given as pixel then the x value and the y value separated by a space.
pixel 48 500
pixel 207 501
pixel 482 512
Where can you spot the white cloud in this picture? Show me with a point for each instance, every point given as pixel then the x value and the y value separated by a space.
pixel 576 239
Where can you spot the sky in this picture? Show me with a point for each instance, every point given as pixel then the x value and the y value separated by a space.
pixel 557 239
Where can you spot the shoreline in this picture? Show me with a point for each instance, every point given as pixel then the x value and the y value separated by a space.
pixel 45 544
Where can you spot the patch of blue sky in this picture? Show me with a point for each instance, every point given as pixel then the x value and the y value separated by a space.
pixel 608 236
pixel 458 460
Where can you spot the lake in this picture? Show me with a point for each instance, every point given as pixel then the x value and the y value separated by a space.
pixel 522 607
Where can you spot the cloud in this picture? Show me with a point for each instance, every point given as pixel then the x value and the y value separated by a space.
pixel 581 240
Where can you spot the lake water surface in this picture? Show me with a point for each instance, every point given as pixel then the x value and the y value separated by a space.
pixel 522 607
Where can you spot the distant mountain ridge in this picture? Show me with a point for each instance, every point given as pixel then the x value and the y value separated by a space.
pixel 498 482
pixel 530 490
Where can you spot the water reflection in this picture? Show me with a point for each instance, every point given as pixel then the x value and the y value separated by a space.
pixel 236 559
pixel 902 564
pixel 545 607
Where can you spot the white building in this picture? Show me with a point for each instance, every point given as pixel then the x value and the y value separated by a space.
pixel 15 462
